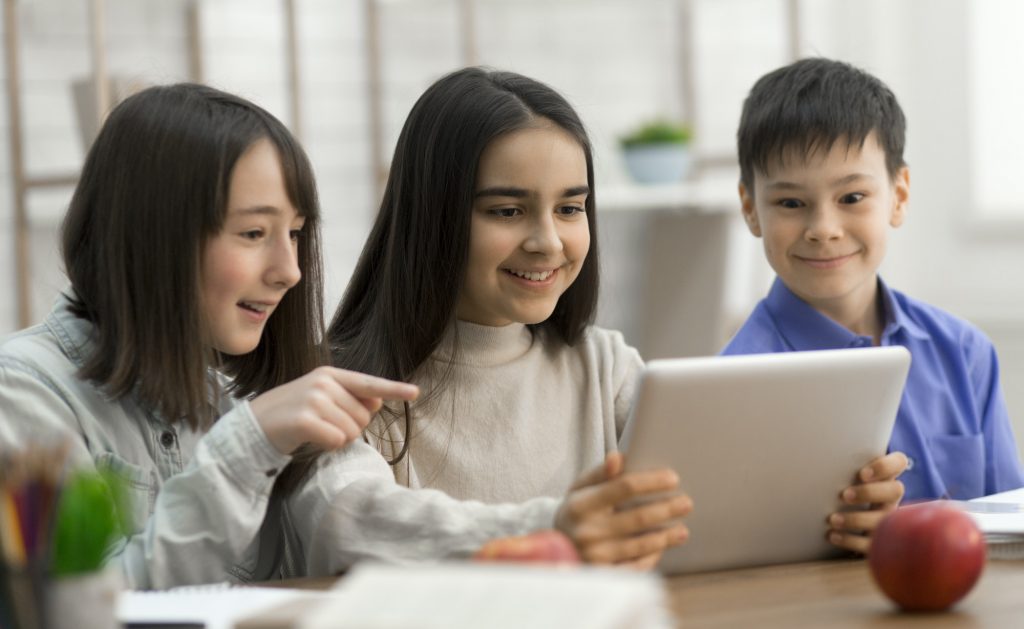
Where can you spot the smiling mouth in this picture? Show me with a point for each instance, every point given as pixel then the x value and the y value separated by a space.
pixel 252 306
pixel 825 263
pixel 533 276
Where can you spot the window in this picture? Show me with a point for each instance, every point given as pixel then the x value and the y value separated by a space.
pixel 996 101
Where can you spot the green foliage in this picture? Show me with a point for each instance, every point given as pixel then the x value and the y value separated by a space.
pixel 87 522
pixel 658 132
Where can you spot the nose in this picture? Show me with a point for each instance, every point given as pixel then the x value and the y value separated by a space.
pixel 283 263
pixel 824 223
pixel 544 237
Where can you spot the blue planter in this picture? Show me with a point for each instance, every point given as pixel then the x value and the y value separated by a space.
pixel 657 163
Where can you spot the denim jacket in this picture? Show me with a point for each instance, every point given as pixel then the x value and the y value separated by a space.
pixel 197 497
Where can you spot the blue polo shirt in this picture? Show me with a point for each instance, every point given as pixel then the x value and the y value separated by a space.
pixel 952 421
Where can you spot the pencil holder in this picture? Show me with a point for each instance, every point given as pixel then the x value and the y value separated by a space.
pixel 84 601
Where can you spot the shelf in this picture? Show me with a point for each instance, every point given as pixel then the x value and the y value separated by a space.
pixel 712 195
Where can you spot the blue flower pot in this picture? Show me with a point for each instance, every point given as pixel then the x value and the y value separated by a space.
pixel 657 163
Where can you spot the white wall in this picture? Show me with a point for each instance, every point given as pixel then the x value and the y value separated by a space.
pixel 947 252
pixel 615 60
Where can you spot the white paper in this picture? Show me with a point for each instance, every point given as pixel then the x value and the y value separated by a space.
pixel 468 595
pixel 216 606
pixel 999 514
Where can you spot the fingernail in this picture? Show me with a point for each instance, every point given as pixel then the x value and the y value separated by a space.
pixel 867 473
pixel 836 520
pixel 849 494
pixel 680 535
pixel 835 538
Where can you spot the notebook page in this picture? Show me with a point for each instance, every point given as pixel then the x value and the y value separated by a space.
pixel 1001 518
pixel 467 595
pixel 213 606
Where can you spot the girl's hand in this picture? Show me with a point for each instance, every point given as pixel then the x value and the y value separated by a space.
pixel 328 407
pixel 879 491
pixel 595 517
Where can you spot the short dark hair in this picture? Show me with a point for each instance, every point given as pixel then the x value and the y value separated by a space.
pixel 810 104
pixel 154 188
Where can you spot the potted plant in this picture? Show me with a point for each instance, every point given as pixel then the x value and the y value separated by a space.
pixel 658 151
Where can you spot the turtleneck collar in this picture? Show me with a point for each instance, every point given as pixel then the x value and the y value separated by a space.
pixel 485 345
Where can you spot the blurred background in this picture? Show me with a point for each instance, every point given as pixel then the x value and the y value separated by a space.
pixel 680 272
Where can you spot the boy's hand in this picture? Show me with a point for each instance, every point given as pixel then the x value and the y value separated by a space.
pixel 605 531
pixel 878 489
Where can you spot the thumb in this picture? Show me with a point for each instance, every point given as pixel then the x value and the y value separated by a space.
pixel 609 469
pixel 614 463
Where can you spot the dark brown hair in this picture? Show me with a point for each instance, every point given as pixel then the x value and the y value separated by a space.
pixel 153 190
pixel 808 105
pixel 402 295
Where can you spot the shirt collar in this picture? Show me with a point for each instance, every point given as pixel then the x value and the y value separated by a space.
pixel 896 317
pixel 804 328
pixel 77 339
pixel 73 333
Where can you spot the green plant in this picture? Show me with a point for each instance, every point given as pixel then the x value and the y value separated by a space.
pixel 87 522
pixel 658 132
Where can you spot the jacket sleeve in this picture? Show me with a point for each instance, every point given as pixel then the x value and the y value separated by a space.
pixel 204 520
pixel 351 509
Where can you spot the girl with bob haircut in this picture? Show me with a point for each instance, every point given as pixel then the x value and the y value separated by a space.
pixel 184 357
pixel 479 282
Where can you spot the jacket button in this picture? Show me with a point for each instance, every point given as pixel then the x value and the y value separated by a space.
pixel 167 439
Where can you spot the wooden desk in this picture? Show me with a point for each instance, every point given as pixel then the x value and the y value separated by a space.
pixel 831 594
pixel 834 594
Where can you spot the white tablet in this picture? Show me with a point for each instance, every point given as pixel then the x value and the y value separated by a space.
pixel 763 444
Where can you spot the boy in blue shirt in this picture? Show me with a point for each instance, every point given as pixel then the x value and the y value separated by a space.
pixel 822 182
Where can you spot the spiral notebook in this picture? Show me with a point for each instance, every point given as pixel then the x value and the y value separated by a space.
pixel 1001 518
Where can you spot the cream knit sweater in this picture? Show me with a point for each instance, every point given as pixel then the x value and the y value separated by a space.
pixel 491 455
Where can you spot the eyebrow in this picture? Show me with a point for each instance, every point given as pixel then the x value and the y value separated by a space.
pixel 256 209
pixel 519 193
pixel 842 181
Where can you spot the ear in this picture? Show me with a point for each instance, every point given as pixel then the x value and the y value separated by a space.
pixel 901 196
pixel 749 211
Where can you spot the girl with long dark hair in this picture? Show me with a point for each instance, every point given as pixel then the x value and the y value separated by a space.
pixel 479 282
pixel 185 356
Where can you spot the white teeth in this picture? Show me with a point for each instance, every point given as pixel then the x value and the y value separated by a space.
pixel 536 276
pixel 256 307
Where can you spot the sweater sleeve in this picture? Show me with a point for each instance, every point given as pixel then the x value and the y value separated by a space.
pixel 351 509
pixel 203 519
pixel 626 368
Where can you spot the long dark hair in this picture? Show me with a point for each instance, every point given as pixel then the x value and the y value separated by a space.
pixel 402 295
pixel 153 190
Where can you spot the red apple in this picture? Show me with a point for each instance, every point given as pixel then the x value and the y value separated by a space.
pixel 546 546
pixel 927 556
